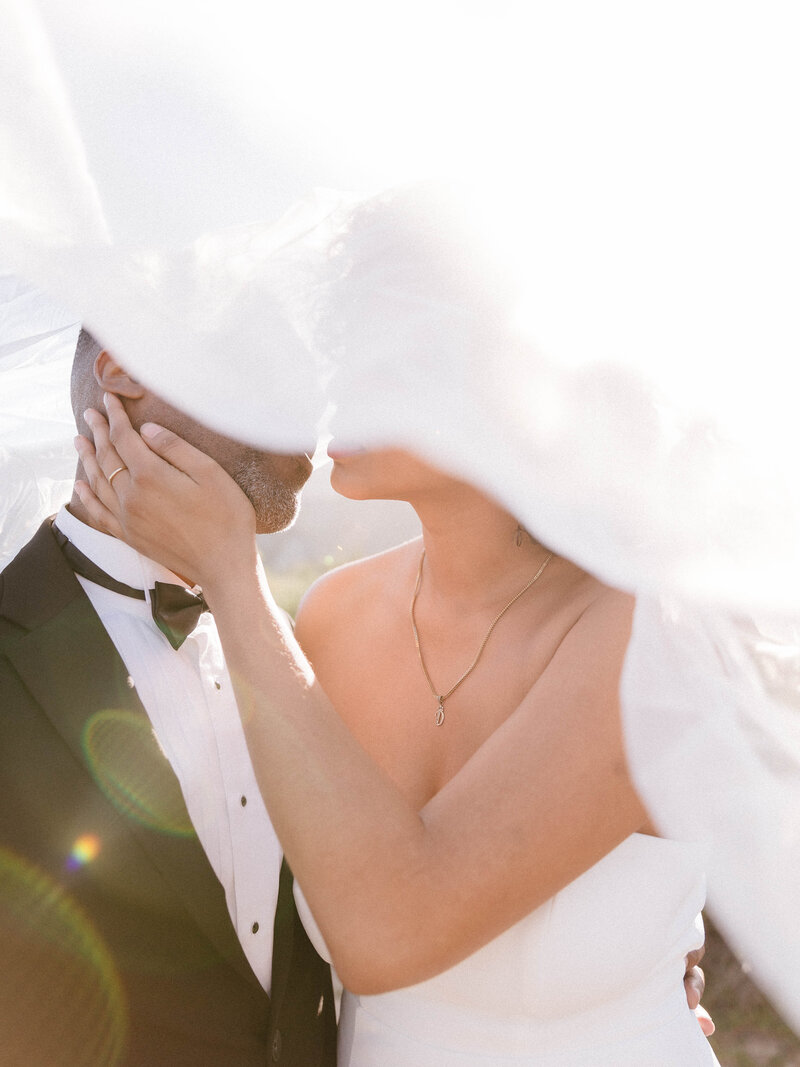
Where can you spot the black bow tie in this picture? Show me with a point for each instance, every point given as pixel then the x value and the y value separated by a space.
pixel 175 610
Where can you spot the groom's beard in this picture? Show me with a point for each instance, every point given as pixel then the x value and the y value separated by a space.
pixel 275 500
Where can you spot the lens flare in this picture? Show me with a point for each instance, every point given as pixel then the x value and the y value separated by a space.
pixel 85 849
pixel 134 773
pixel 61 999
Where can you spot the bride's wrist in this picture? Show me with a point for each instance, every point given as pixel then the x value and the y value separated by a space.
pixel 230 572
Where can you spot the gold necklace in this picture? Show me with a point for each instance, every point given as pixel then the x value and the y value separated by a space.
pixel 441 697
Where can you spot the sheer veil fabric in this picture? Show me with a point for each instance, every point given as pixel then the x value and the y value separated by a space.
pixel 594 321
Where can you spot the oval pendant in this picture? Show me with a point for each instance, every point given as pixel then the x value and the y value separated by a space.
pixel 440 714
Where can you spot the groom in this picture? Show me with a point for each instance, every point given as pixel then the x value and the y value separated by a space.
pixel 145 914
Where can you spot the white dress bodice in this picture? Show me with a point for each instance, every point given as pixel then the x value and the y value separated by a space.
pixel 592 978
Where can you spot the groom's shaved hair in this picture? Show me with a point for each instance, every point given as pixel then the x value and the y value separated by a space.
pixel 84 391
pixel 86 350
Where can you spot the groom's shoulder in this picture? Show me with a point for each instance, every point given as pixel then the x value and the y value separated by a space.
pixel 16 579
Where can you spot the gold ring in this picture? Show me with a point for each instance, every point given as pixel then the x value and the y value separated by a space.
pixel 113 474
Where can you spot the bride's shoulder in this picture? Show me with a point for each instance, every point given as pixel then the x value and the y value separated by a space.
pixel 608 619
pixel 587 602
pixel 353 589
pixel 600 595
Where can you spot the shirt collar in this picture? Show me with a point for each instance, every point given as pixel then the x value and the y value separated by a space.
pixel 115 557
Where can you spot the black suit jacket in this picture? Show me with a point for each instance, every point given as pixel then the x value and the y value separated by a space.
pixel 115 942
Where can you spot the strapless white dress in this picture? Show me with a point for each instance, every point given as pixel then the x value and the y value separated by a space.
pixel 593 978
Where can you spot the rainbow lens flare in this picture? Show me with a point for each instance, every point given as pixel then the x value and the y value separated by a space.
pixel 85 849
pixel 130 768
pixel 61 999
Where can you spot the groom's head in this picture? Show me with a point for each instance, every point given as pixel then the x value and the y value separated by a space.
pixel 272 481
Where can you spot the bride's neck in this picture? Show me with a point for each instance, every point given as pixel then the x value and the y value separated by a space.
pixel 475 551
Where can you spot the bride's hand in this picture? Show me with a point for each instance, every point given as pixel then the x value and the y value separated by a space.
pixel 169 500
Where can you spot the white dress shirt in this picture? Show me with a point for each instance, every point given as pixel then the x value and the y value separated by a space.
pixel 189 699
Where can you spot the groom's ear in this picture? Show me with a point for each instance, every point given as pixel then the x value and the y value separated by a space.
pixel 112 378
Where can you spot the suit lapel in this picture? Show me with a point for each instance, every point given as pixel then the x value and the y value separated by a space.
pixel 73 671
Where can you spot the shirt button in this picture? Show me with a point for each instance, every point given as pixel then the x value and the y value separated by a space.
pixel 217 684
pixel 130 682
pixel 254 928
pixel 276 1046
pixel 243 801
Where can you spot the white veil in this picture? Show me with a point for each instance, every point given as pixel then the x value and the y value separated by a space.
pixel 608 349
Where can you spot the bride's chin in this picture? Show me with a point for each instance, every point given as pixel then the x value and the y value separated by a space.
pixel 345 486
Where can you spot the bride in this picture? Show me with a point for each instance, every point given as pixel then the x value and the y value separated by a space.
pixel 449 783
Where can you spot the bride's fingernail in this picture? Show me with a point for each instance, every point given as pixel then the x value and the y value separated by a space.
pixel 150 429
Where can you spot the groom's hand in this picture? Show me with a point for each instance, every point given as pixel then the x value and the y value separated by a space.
pixel 694 982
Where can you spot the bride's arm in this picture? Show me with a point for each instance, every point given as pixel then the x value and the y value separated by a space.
pixel 399 895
